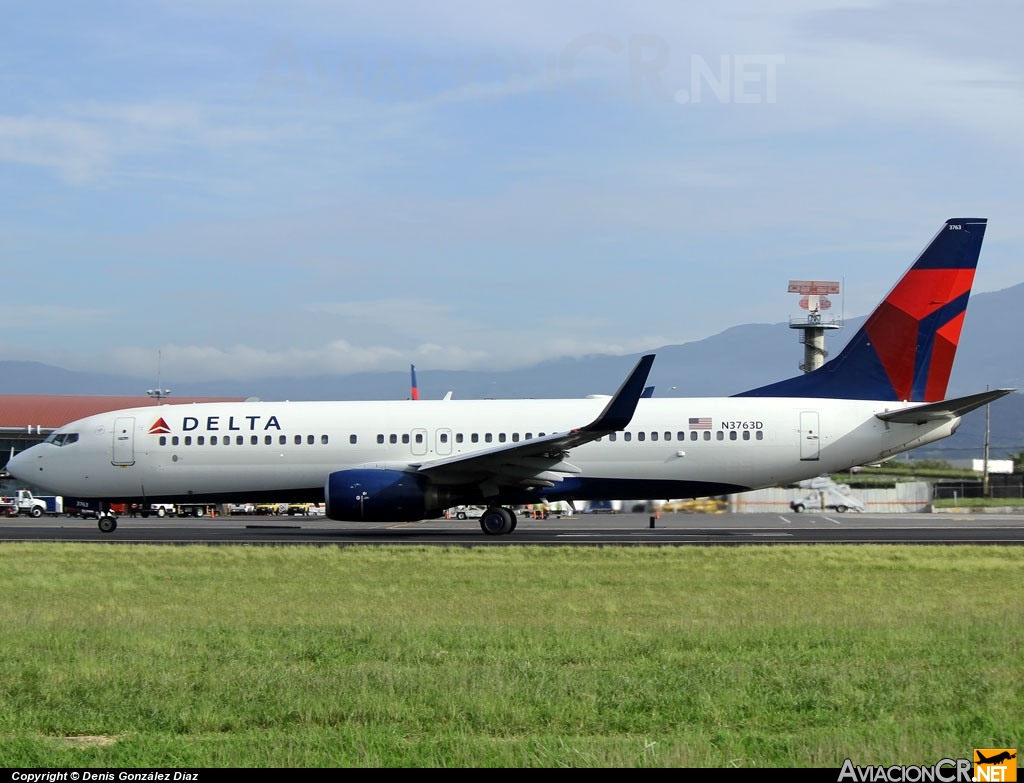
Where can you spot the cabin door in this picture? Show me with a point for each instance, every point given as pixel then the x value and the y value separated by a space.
pixel 810 436
pixel 124 440
pixel 419 442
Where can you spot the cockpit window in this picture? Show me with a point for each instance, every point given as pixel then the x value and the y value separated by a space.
pixel 62 438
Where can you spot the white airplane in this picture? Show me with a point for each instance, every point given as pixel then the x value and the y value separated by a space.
pixel 405 460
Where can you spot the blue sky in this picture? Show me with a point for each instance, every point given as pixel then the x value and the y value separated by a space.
pixel 244 189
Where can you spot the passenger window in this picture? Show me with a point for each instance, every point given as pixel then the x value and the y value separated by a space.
pixel 282 439
pixel 163 440
pixel 310 439
pixel 380 438
pixel 213 440
pixel 405 437
pixel 746 434
pixel 488 438
pixel 324 439
pixel 268 440
pixel 393 438
pixel 298 440
pixel 200 440
pixel 732 434
pixel 352 439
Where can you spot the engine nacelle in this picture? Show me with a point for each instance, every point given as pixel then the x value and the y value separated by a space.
pixel 380 495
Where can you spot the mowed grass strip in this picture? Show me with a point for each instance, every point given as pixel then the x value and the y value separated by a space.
pixel 507 656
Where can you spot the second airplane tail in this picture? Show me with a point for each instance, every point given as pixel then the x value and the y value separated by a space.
pixel 905 349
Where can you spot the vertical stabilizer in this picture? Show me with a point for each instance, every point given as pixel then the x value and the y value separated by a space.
pixel 905 349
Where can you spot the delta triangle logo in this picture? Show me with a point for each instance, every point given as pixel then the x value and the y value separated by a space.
pixel 159 427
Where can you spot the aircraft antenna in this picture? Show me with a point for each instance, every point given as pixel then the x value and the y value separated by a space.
pixel 814 299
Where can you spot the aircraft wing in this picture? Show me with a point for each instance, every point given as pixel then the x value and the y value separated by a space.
pixel 541 461
pixel 944 409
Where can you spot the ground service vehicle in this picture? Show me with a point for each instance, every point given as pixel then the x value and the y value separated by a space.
pixel 827 500
pixel 23 502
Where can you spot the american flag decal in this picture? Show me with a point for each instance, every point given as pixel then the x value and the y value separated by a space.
pixel 702 423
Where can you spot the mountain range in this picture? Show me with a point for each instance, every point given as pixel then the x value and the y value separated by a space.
pixel 739 358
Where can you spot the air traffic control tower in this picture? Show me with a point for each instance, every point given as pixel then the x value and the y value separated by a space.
pixel 814 299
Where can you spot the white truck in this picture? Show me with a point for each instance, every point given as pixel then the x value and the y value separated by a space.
pixel 23 502
pixel 156 510
pixel 827 495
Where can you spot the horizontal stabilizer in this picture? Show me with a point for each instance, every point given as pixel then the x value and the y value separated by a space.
pixel 943 410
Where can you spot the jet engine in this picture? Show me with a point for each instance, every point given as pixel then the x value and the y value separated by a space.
pixel 381 495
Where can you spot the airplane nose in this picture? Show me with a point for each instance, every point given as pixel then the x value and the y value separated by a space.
pixel 18 465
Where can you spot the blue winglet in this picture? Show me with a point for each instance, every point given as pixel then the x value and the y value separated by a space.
pixel 620 408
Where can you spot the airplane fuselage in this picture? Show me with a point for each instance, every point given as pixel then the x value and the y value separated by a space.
pixel 672 448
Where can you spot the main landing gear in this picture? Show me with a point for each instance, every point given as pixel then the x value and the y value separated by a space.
pixel 498 521
pixel 107 523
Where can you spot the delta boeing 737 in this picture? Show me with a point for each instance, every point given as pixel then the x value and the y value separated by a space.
pixel 408 460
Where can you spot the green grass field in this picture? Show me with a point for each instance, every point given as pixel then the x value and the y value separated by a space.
pixel 160 656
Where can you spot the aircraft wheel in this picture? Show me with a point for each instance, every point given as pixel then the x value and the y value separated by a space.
pixel 497 521
pixel 108 524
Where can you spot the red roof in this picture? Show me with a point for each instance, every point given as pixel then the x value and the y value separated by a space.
pixel 50 411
